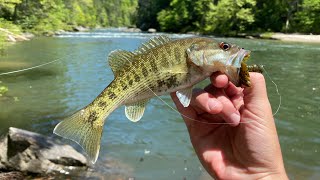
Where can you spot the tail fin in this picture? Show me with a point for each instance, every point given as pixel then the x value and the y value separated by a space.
pixel 86 133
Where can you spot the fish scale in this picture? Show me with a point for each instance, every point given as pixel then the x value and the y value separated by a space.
pixel 158 67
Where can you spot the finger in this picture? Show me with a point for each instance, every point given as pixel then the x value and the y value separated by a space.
pixel 231 105
pixel 203 101
pixel 258 89
pixel 235 94
pixel 237 101
pixel 232 90
pixel 219 80
pixel 229 112
pixel 211 118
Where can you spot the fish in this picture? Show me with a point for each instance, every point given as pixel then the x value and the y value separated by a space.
pixel 160 66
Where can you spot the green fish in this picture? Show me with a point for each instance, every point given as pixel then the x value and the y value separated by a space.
pixel 158 67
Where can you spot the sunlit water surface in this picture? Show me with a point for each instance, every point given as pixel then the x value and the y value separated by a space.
pixel 158 146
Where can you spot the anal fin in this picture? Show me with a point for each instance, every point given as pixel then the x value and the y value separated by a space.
pixel 134 111
pixel 185 96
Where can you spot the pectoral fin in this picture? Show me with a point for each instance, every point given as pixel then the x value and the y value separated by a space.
pixel 134 112
pixel 185 96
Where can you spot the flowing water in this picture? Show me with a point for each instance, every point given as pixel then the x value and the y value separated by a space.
pixel 158 146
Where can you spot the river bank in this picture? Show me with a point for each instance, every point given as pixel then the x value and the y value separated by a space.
pixel 282 37
pixel 296 37
pixel 12 37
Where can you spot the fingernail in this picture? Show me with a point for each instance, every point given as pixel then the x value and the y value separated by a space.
pixel 235 118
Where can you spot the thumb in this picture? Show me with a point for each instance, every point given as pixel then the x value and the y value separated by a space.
pixel 257 91
pixel 256 102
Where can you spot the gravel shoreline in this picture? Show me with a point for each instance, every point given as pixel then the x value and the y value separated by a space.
pixel 296 37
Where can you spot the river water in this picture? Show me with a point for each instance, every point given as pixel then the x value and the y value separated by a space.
pixel 158 146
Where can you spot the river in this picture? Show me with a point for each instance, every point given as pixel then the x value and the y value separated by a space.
pixel 158 146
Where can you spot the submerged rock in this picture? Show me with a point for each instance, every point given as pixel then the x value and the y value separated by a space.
pixel 30 152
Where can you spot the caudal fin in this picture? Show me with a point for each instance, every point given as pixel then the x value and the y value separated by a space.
pixel 84 132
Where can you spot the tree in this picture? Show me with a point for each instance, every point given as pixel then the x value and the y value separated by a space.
pixel 147 12
pixel 308 19
pixel 229 16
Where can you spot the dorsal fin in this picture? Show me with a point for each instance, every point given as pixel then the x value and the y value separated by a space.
pixel 152 43
pixel 118 58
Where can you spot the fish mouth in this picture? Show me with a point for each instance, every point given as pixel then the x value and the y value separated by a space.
pixel 238 61
pixel 238 58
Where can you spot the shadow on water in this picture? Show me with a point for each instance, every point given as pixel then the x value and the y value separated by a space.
pixel 157 146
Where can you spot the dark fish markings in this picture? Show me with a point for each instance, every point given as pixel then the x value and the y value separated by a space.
pixel 130 82
pixel 112 95
pixel 161 83
pixel 172 81
pixel 92 117
pixel 144 71
pixel 102 104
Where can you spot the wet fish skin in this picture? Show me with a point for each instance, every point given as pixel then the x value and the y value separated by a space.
pixel 158 67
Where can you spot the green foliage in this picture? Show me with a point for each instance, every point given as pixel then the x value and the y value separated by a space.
pixel 8 25
pixel 207 16
pixel 147 13
pixel 177 17
pixel 271 15
pixel 5 24
pixel 3 90
pixel 308 19
pixel 227 17
pixel 43 16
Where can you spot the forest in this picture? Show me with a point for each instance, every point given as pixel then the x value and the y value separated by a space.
pixel 219 17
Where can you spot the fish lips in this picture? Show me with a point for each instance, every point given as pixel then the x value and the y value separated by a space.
pixel 239 57
pixel 236 68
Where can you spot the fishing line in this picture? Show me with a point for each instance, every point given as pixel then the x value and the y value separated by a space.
pixel 37 66
pixel 33 67
pixel 190 117
pixel 278 93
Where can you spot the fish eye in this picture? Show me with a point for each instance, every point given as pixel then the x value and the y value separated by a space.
pixel 224 46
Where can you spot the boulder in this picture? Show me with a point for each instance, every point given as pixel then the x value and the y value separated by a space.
pixel 28 35
pixel 30 152
pixel 59 32
pixel 16 175
pixel 80 29
pixel 151 30
pixel 135 30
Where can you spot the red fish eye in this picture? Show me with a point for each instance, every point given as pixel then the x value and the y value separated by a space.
pixel 224 46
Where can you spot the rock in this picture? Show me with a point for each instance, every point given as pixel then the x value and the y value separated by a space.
pixel 60 31
pixel 11 38
pixel 250 37
pixel 28 35
pixel 133 30
pixel 80 29
pixel 30 152
pixel 16 175
pixel 151 30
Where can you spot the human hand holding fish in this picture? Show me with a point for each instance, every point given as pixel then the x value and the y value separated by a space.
pixel 245 148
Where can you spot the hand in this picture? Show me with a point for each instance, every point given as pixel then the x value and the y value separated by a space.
pixel 245 148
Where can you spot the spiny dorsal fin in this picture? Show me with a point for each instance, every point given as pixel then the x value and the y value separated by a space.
pixel 118 58
pixel 152 43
